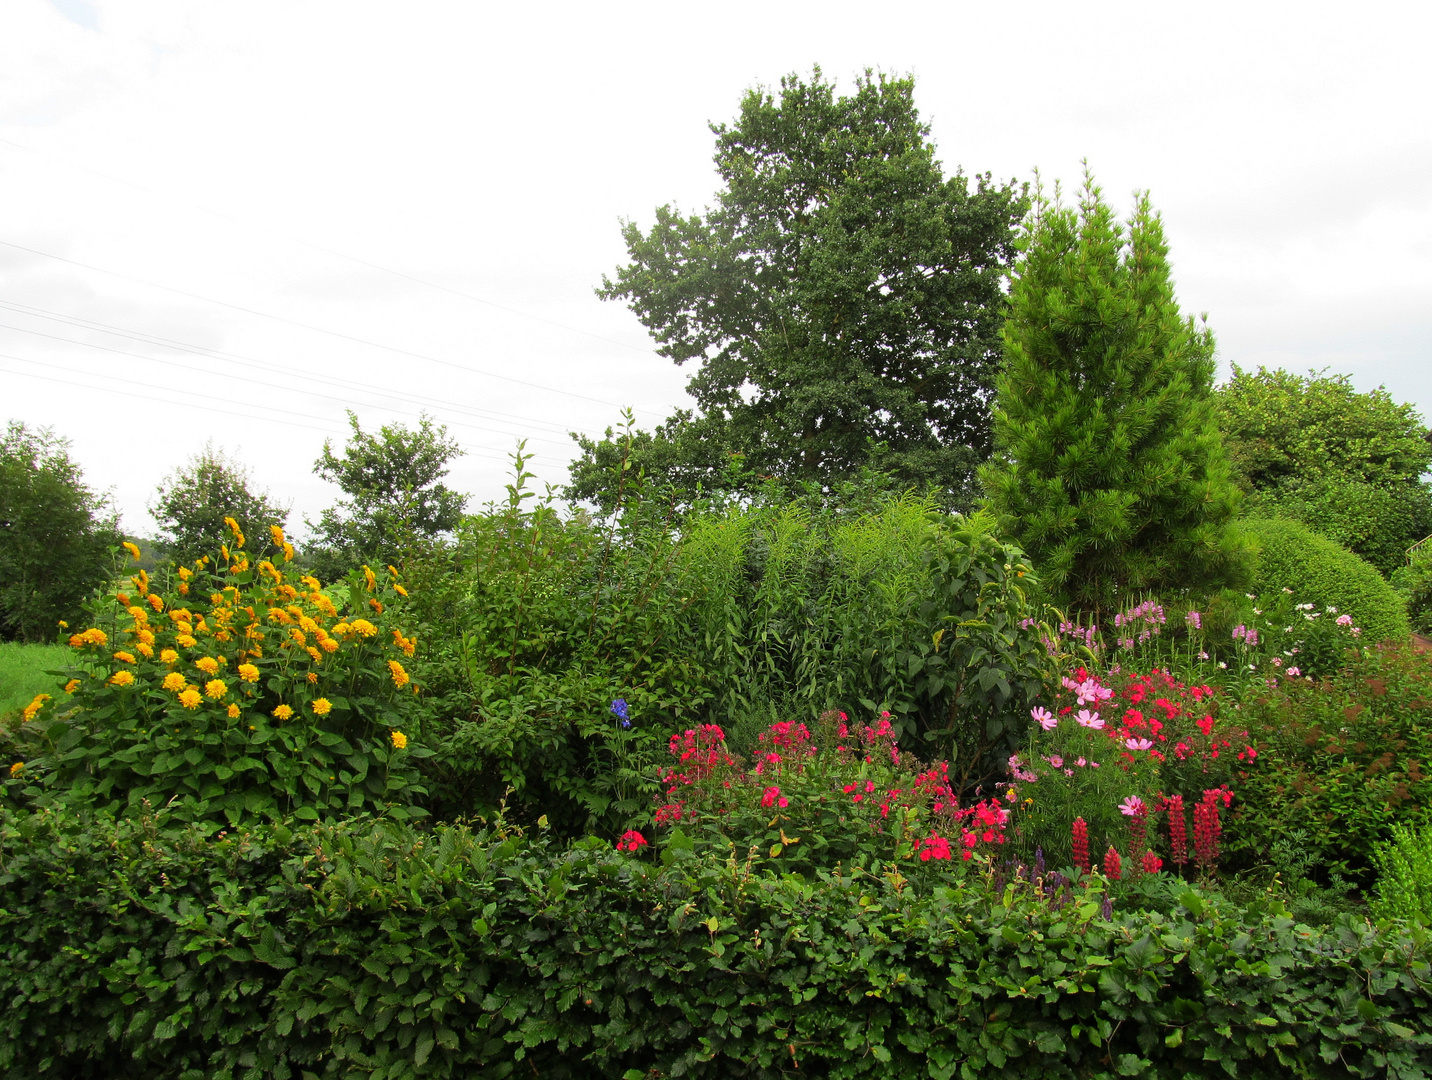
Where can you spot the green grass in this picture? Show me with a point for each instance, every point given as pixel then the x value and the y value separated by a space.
pixel 22 672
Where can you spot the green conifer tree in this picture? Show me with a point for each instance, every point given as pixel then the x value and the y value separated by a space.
pixel 1109 468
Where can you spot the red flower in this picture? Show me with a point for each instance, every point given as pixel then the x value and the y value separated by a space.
pixel 631 841
pixel 1113 868
pixel 772 797
pixel 1081 844
pixel 934 847
pixel 1152 863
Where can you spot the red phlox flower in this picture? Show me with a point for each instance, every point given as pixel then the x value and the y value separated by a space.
pixel 631 840
pixel 773 797
pixel 933 847
pixel 1205 725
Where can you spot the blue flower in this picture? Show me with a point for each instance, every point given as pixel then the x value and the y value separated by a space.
pixel 619 710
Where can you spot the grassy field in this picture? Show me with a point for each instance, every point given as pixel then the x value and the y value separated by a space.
pixel 22 672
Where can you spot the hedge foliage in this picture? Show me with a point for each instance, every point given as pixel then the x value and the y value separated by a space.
pixel 369 949
pixel 1321 572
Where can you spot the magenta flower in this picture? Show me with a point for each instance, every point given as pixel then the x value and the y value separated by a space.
pixel 1138 744
pixel 1047 720
pixel 1089 720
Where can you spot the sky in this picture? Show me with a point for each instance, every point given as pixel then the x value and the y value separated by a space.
pixel 227 224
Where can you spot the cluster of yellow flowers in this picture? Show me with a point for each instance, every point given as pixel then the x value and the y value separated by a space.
pixel 252 619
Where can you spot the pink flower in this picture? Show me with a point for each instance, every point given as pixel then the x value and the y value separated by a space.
pixel 1294 672
pixel 1138 744
pixel 1089 720
pixel 1132 806
pixel 1047 720
pixel 773 797
pixel 1055 760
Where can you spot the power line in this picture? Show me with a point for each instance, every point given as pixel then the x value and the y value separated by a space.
pixel 227 375
pixel 262 365
pixel 336 254
pixel 307 326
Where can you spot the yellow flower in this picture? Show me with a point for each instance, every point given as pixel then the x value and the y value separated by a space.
pixel 183 588
pixel 315 654
pixel 185 573
pixel 307 625
pixel 283 712
pixel 141 581
pixel 216 688
pixel 185 641
pixel 145 650
pixel 313 676
pixel 376 606
pixel 122 678
pixel 233 712
pixel 308 581
pixel 233 526
pixel 322 706
pixel 92 636
pixel 145 635
pixel 287 552
pixel 340 628
pixel 370 578
pixel 156 601
pixel 364 627
pixel 15 768
pixel 400 741
pixel 323 604
pixel 393 570
pixel 400 677
pixel 327 644
pixel 224 551
pixel 124 657
pixel 64 625
pixel 248 672
pixel 407 645
pixel 207 664
pixel 297 635
pixel 35 706
pixel 190 698
pixel 169 656
pixel 132 549
pixel 72 686
pixel 175 682
pixel 400 590
pixel 277 534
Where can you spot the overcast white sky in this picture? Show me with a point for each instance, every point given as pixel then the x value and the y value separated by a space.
pixel 256 179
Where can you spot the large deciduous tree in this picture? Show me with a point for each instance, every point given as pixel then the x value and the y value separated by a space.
pixel 843 294
pixel 56 534
pixel 1346 464
pixel 192 502
pixel 395 502
pixel 1110 468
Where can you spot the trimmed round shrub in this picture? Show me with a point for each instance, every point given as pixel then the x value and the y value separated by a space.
pixel 1319 571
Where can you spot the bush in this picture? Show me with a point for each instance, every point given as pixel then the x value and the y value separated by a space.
pixel 1319 571
pixel 366 948
pixel 734 615
pixel 229 696
pixel 1340 763
pixel 1414 584
pixel 1404 875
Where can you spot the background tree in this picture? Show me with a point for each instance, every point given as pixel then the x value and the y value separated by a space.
pixel 56 534
pixel 395 502
pixel 191 503
pixel 1110 468
pixel 843 293
pixel 1348 465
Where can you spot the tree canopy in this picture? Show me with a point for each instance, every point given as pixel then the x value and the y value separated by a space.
pixel 1110 468
pixel 1347 464
pixel 57 535
pixel 192 502
pixel 395 500
pixel 843 294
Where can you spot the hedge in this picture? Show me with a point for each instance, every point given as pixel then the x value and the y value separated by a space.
pixel 369 949
pixel 1322 572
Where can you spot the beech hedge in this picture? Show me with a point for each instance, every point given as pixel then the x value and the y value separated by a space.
pixel 375 949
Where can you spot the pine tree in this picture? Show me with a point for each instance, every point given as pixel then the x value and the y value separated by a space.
pixel 1109 466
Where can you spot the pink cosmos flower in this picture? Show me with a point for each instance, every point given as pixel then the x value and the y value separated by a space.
pixel 1089 720
pixel 1132 806
pixel 1138 744
pixel 1047 720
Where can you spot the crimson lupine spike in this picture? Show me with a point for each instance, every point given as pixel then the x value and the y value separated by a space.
pixel 1081 844
pixel 1177 831
pixel 1152 863
pixel 1113 865
pixel 1207 829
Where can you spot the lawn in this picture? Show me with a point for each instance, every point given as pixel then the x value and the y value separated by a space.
pixel 22 672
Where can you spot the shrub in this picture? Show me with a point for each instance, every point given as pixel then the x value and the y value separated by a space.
pixel 233 694
pixel 366 948
pixel 1319 571
pixel 1341 761
pixel 733 615
pixel 1404 874
pixel 1414 584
